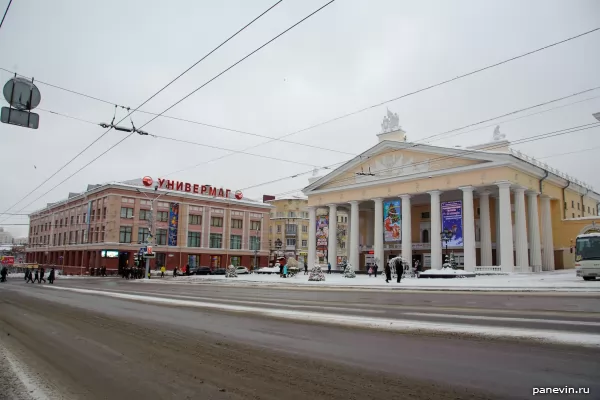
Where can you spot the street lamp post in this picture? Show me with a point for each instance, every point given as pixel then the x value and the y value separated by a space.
pixel 150 237
pixel 446 235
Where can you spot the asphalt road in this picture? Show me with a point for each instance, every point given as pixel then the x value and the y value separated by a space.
pixel 83 346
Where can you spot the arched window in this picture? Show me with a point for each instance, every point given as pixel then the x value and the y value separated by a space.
pixel 425 236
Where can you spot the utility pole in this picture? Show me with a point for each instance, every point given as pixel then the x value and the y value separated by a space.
pixel 150 238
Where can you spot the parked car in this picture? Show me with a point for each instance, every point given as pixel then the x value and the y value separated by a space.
pixel 219 271
pixel 203 271
pixel 268 270
pixel 242 270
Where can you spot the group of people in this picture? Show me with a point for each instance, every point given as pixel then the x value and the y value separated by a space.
pixel 132 272
pixel 98 271
pixel 37 275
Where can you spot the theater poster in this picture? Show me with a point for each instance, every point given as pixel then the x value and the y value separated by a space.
pixel 392 229
pixel 173 223
pixel 452 220
pixel 322 232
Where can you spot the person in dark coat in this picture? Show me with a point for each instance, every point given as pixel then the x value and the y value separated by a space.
pixel 175 271
pixel 42 273
pixel 36 277
pixel 375 267
pixel 187 270
pixel 29 276
pixel 328 267
pixel 51 276
pixel 388 273
pixel 26 274
pixel 3 273
pixel 305 268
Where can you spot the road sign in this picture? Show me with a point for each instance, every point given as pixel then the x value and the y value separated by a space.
pixel 20 118
pixel 22 94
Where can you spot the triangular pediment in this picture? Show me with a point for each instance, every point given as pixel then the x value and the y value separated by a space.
pixel 401 161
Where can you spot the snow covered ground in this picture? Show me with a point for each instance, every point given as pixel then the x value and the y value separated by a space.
pixel 564 280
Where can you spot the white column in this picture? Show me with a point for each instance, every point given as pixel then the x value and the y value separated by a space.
pixel 406 229
pixel 547 242
pixel 485 228
pixel 497 219
pixel 378 232
pixel 312 236
pixel 332 239
pixel 506 236
pixel 522 260
pixel 468 228
pixel 354 235
pixel 436 230
pixel 535 248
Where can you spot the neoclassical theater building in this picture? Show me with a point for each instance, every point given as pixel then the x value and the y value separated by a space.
pixel 494 208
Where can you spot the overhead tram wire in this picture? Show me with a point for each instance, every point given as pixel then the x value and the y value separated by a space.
pixel 171 117
pixel 464 152
pixel 5 12
pixel 144 103
pixel 212 79
pixel 409 94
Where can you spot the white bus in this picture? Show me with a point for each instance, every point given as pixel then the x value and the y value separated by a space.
pixel 587 256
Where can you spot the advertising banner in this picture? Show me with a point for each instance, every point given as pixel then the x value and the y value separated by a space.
pixel 322 232
pixel 7 260
pixel 452 220
pixel 392 230
pixel 173 223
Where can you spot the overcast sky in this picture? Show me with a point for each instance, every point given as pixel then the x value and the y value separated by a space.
pixel 350 55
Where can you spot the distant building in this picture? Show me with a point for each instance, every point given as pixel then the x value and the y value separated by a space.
pixel 289 229
pixel 22 241
pixel 187 224
pixel 5 237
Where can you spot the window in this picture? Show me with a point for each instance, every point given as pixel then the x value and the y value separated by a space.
pixel 77 219
pixel 255 225
pixel 577 206
pixel 72 218
pixel 104 212
pixel 83 237
pixel 425 215
pixel 126 212
pixel 290 229
pixel 565 205
pixel 572 203
pixel 216 240
pixel 425 236
pixel 278 228
pixel 127 200
pixel 96 234
pixel 76 237
pixel 573 215
pixel 254 243
pixel 216 221
pixel 235 261
pixel 145 215
pixel 124 234
pixel 161 237
pixel 195 219
pixel 102 235
pixel 588 209
pixel 235 242
pixel 143 235
pixel 290 242
pixel 193 239
pixel 304 228
pixel 54 240
pixel 236 224
pixel 291 214
pixel 60 225
pixel 98 216
pixel 162 216
pixel 92 214
pixel 304 243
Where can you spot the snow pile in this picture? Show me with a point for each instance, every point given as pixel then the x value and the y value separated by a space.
pixel 316 274
pixel 349 271
pixel 445 271
pixel 231 272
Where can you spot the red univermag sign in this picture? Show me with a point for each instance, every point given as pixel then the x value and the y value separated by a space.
pixel 193 188
pixel 7 260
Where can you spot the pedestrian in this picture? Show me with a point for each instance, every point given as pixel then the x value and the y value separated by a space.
pixel 42 273
pixel 375 267
pixel 280 269
pixel 370 271
pixel 3 273
pixel 328 267
pixel 175 271
pixel 399 271
pixel 187 270
pixel 36 276
pixel 285 269
pixel 162 271
pixel 51 276
pixel 305 268
pixel 388 273
pixel 26 274
pixel 29 276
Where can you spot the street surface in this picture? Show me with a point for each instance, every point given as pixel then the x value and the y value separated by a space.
pixel 81 345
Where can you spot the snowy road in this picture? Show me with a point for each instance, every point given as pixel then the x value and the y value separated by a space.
pixel 476 367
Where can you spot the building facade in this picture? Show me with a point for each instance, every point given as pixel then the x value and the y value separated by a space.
pixel 494 208
pixel 289 227
pixel 108 224
pixel 5 237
